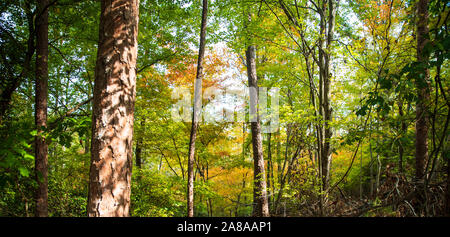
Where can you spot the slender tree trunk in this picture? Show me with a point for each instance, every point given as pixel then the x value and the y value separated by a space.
pixel 269 170
pixel 281 174
pixel 243 141
pixel 321 137
pixel 327 111
pixel 138 153
pixel 447 194
pixel 139 148
pixel 317 126
pixel 238 203
pixel 210 207
pixel 423 91
pixel 378 174
pixel 113 109
pixel 361 174
pixel 326 34
pixel 139 159
pixel 261 205
pixel 278 157
pixel 403 132
pixel 196 112
pixel 371 163
pixel 41 86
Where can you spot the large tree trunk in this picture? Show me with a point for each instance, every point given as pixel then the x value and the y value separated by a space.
pixel 422 91
pixel 196 112
pixel 113 109
pixel 41 146
pixel 261 205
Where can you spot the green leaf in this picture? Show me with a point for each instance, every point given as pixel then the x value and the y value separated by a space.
pixel 24 172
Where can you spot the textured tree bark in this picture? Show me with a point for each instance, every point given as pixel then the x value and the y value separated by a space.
pixel 321 138
pixel 422 91
pixel 261 205
pixel 41 87
pixel 327 110
pixel 196 112
pixel 113 109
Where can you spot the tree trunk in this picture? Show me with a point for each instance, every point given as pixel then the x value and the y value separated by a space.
pixel 269 170
pixel 243 141
pixel 378 174
pixel 327 111
pixel 422 91
pixel 278 161
pixel 403 132
pixel 361 174
pixel 113 109
pixel 261 205
pixel 139 153
pixel 139 141
pixel 371 163
pixel 139 158
pixel 196 112
pixel 321 138
pixel 447 194
pixel 423 96
pixel 41 146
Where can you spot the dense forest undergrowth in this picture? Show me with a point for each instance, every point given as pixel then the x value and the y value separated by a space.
pixel 224 108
